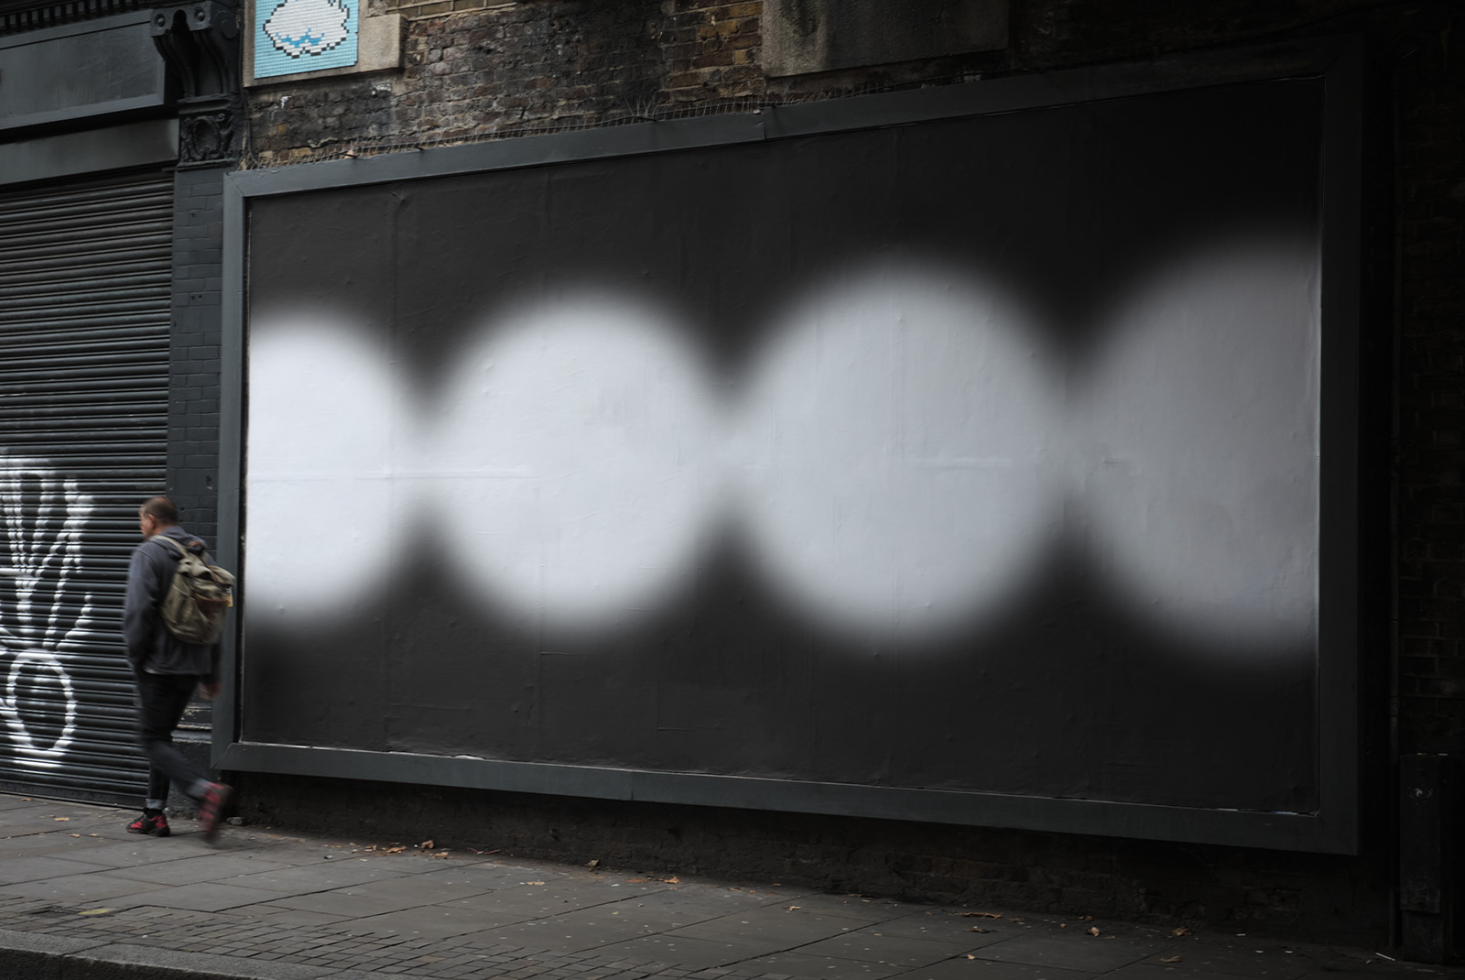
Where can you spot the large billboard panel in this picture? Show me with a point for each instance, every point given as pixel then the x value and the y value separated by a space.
pixel 892 470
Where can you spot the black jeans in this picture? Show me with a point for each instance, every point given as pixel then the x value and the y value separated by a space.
pixel 162 699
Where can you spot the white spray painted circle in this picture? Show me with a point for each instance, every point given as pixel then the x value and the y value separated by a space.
pixel 574 460
pixel 328 495
pixel 1201 424
pixel 893 451
pixel 36 756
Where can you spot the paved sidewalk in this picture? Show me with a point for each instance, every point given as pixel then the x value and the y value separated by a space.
pixel 82 899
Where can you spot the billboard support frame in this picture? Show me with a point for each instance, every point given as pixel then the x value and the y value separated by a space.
pixel 1333 828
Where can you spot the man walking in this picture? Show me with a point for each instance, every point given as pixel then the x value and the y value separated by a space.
pixel 167 671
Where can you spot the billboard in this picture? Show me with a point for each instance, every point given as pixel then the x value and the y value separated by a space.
pixel 911 457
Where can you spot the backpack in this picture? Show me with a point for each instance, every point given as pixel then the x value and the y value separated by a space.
pixel 193 608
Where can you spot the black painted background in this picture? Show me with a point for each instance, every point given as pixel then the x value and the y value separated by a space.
pixel 1067 694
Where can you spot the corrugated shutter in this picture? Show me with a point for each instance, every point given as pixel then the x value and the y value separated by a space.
pixel 85 283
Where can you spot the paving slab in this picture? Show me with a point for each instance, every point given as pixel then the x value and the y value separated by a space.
pixel 894 951
pixel 1253 960
pixel 797 963
pixel 1079 951
pixel 852 906
pixel 42 844
pixel 685 952
pixel 714 900
pixel 962 968
pixel 535 900
pixel 430 922
pixel 206 867
pixel 494 875
pixel 600 925
pixel 17 870
pixel 80 888
pixel 206 896
pixel 946 926
pixel 140 851
pixel 778 927
pixel 318 877
pixel 1178 970
pixel 376 897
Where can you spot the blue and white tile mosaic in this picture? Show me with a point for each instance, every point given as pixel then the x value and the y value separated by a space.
pixel 304 35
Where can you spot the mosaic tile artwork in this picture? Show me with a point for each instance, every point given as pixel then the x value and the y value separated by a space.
pixel 304 35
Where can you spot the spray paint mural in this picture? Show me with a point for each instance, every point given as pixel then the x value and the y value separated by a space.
pixel 43 517
pixel 891 465
pixel 579 458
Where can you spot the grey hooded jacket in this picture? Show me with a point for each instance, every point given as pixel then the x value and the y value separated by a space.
pixel 150 647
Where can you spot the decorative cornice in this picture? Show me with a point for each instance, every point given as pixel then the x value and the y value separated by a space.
pixel 200 43
pixel 207 137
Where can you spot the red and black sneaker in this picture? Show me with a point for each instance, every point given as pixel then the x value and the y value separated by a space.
pixel 212 809
pixel 152 826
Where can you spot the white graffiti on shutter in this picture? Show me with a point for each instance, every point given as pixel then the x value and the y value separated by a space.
pixel 42 516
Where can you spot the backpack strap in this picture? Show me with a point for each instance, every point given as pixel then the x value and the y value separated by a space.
pixel 174 542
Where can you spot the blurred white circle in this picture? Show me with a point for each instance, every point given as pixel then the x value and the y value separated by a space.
pixel 1201 422
pixel 328 487
pixel 574 460
pixel 893 451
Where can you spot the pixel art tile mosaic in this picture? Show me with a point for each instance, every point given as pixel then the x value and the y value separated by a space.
pixel 304 35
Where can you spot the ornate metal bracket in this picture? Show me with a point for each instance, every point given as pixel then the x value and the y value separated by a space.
pixel 200 43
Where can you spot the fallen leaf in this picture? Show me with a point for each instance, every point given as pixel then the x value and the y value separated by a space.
pixel 426 845
pixel 75 835
pixel 980 929
pixel 1180 931
pixel 1171 959
pixel 982 915
pixel 533 882
pixel 1093 930
pixel 673 880
pixel 61 818
pixel 95 912
pixel 637 881
pixel 792 908
pixel 593 864
pixel 970 956
pixel 394 850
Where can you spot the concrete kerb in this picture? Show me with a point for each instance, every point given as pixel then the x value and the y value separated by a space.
pixel 28 956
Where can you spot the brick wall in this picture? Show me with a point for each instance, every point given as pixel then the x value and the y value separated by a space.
pixel 1429 113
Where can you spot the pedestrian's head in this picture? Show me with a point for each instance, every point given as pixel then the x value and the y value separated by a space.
pixel 156 514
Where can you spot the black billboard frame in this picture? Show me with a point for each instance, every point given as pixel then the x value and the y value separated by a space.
pixel 1333 828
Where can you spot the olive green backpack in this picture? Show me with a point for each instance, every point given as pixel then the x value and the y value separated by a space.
pixel 193 608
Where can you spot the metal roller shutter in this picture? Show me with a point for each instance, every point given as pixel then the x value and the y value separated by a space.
pixel 85 284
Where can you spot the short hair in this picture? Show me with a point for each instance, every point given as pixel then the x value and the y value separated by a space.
pixel 161 509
